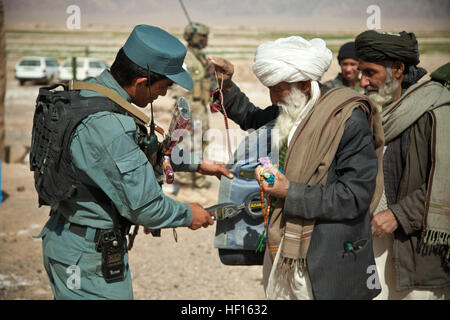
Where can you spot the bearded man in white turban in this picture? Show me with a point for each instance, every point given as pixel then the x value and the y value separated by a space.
pixel 319 243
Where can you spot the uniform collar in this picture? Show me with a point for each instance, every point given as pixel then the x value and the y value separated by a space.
pixel 107 80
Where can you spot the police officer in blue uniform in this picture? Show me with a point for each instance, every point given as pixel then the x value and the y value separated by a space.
pixel 84 246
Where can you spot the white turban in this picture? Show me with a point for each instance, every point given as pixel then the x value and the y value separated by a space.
pixel 291 59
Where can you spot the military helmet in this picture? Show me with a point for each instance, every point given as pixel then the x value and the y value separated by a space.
pixel 195 28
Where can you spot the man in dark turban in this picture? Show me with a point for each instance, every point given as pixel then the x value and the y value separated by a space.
pixel 411 225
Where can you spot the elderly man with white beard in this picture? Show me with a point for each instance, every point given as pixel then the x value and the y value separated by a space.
pixel 411 225
pixel 319 243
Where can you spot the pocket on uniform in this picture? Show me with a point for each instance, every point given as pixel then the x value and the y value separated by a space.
pixel 138 179
pixel 91 263
pixel 63 246
pixel 130 161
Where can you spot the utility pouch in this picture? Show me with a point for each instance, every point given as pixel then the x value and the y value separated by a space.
pixel 112 246
pixel 197 90
pixel 206 90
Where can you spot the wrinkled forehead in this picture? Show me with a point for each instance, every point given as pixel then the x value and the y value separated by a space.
pixel 281 86
pixel 375 66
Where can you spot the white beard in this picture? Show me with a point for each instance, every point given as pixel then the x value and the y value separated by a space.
pixel 289 111
pixel 385 94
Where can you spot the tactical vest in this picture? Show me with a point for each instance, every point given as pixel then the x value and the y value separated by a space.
pixel 56 116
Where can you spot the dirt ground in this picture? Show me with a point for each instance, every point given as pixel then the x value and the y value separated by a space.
pixel 161 268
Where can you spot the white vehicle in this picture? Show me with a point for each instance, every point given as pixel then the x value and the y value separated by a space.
pixel 41 69
pixel 86 67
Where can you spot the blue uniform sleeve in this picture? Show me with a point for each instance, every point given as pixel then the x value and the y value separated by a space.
pixel 104 150
pixel 349 196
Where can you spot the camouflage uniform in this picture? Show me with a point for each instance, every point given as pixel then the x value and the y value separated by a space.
pixel 346 51
pixel 340 82
pixel 196 64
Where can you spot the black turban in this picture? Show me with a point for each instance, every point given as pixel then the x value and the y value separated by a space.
pixel 347 51
pixel 372 46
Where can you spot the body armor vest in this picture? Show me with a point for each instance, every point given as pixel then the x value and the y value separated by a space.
pixel 56 116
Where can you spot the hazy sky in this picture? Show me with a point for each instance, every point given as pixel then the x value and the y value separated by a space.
pixel 267 14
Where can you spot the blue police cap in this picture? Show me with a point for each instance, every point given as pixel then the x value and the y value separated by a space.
pixel 161 51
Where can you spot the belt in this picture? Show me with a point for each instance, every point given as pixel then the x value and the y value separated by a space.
pixel 80 230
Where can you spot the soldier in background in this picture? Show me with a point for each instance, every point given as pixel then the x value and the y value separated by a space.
pixel 196 63
pixel 349 75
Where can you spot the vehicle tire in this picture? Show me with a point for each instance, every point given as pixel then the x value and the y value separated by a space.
pixel 21 82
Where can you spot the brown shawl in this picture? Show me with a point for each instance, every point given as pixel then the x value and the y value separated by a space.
pixel 309 156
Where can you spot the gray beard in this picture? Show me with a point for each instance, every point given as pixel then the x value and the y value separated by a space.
pixel 289 110
pixel 386 93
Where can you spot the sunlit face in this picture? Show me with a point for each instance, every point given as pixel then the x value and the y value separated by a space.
pixel 204 41
pixel 199 41
pixel 159 88
pixel 373 76
pixel 279 91
pixel 349 69
pixel 381 82
pixel 290 109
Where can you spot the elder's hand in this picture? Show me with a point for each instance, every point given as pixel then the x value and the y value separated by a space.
pixel 212 168
pixel 224 70
pixel 384 223
pixel 281 186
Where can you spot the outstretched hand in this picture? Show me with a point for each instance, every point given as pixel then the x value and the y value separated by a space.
pixel 212 168
pixel 224 70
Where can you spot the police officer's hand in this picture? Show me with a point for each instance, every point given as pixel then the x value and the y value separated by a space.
pixel 200 217
pixel 225 70
pixel 212 168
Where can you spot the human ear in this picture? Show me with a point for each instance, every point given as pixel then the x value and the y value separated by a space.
pixel 305 87
pixel 397 69
pixel 139 81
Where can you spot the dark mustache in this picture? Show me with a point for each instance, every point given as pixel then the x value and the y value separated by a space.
pixel 370 88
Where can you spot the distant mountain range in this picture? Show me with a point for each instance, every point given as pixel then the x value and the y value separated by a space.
pixel 240 14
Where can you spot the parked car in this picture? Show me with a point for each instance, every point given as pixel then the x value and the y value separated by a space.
pixel 86 67
pixel 41 69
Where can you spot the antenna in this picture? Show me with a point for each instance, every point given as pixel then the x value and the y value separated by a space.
pixel 185 11
pixel 152 123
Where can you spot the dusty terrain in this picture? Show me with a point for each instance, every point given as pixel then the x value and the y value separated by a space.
pixel 161 268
